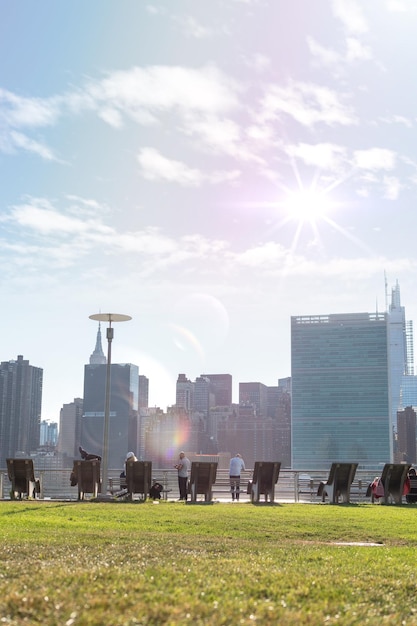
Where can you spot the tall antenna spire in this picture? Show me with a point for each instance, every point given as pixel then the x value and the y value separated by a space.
pixel 98 357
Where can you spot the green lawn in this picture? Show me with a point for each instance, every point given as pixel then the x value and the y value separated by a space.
pixel 129 563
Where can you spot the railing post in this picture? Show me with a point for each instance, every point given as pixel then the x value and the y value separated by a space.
pixel 41 485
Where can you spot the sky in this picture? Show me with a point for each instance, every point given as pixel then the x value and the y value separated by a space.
pixel 208 168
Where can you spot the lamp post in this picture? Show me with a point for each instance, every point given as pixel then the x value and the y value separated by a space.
pixel 110 318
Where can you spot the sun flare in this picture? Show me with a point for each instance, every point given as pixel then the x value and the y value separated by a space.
pixel 306 205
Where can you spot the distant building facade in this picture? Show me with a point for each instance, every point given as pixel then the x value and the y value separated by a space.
pixel 48 434
pixel 20 407
pixel 143 392
pixel 406 429
pixel 256 395
pixel 221 388
pixel 340 399
pixel 69 438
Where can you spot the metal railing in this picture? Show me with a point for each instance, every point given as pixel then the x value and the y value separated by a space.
pixel 292 486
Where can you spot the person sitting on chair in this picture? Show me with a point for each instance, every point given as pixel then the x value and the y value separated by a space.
pixel 155 491
pixel 88 457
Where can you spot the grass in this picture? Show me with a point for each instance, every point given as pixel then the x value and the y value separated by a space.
pixel 127 564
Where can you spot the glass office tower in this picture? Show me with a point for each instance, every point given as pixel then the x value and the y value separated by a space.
pixel 340 397
pixel 123 417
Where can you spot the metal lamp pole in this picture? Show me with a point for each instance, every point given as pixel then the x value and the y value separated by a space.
pixel 107 317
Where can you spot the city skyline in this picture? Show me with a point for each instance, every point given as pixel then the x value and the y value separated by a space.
pixel 216 170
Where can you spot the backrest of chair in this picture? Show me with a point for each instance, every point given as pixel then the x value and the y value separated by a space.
pixel 139 476
pixel 332 473
pixel 266 473
pixel 88 475
pixel 203 475
pixel 343 475
pixel 393 477
pixel 20 473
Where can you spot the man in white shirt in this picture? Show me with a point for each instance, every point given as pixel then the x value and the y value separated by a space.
pixel 183 466
pixel 236 467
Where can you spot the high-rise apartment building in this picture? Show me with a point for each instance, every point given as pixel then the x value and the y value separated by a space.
pixel 340 398
pixel 20 407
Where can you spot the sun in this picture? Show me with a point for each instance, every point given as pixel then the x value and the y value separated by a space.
pixel 306 205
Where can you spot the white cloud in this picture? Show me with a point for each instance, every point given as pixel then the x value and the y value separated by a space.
pixel 351 15
pixel 308 104
pixel 111 116
pixel 375 159
pixel 40 216
pixel 258 62
pixel 326 56
pixel 16 111
pixel 326 156
pixel 357 51
pixel 193 28
pixel 392 187
pixel 266 255
pixel 155 166
pixel 19 140
pixel 398 6
pixel 163 88
pixel 220 136
pixel 397 119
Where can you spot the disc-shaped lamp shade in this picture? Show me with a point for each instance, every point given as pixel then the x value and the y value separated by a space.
pixel 110 317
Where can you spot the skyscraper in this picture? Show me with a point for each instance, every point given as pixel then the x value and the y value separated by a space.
pixel 221 387
pixel 256 395
pixel 399 339
pixel 184 397
pixel 124 392
pixel 340 399
pixel 20 407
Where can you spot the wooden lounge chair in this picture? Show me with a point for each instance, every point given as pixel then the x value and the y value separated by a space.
pixel 86 474
pixel 138 478
pixel 392 478
pixel 338 484
pixel 22 477
pixel 202 478
pixel 265 477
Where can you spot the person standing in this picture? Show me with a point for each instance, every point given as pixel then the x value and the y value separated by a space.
pixel 237 465
pixel 183 466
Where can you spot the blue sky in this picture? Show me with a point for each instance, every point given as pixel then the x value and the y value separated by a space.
pixel 209 168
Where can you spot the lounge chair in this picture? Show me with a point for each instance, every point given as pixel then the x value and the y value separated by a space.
pixel 393 477
pixel 265 477
pixel 86 474
pixel 202 479
pixel 138 478
pixel 338 484
pixel 22 477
